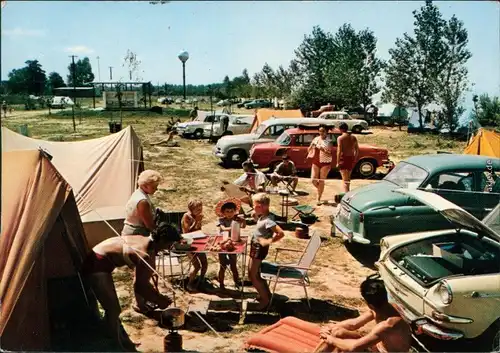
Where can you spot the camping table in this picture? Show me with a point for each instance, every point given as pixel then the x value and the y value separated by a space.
pixel 203 245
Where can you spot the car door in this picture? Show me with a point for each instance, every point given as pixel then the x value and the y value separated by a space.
pixel 487 188
pixel 298 151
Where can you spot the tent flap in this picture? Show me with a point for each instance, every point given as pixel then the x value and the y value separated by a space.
pixel 266 114
pixel 484 143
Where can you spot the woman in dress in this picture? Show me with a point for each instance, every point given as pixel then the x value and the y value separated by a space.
pixel 320 151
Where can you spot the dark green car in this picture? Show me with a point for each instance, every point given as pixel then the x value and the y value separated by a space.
pixel 368 213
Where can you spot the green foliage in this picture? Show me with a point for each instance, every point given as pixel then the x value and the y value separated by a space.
pixel 488 111
pixel 55 81
pixel 83 73
pixel 30 79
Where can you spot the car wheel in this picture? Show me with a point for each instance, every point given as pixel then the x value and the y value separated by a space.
pixel 356 129
pixel 237 157
pixel 366 168
pixel 489 341
pixel 198 133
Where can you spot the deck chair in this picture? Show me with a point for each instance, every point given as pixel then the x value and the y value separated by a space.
pixel 295 273
pixel 305 210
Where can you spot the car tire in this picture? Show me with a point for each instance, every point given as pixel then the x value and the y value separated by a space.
pixel 356 129
pixel 198 134
pixel 489 341
pixel 236 157
pixel 366 168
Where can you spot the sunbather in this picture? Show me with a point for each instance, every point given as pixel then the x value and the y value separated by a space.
pixel 390 334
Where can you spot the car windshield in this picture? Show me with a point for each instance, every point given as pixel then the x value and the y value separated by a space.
pixel 492 219
pixel 261 129
pixel 284 139
pixel 407 175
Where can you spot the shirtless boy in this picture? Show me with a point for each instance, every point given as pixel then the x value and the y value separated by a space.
pixel 390 334
pixel 347 155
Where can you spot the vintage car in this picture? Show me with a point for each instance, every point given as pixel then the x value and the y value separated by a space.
pixel 354 125
pixel 446 284
pixel 201 126
pixel 234 150
pixel 295 143
pixel 368 213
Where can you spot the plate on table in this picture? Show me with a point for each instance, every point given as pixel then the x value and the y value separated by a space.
pixel 194 235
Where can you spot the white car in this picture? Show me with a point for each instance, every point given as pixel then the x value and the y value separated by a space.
pixel 179 101
pixel 355 125
pixel 238 124
pixel 200 127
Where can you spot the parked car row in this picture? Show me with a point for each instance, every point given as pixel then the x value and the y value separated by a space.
pixel 208 124
pixel 439 262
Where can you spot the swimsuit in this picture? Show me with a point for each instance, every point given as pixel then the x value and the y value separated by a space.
pixel 347 162
pixel 316 160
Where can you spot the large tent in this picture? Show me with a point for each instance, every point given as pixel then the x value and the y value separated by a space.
pixel 102 172
pixel 42 242
pixel 266 114
pixel 484 143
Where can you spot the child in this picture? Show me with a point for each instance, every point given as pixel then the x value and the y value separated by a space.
pixel 266 232
pixel 228 210
pixel 191 222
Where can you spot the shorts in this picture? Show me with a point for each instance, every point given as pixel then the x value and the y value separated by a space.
pixel 347 163
pixel 322 165
pixel 96 263
pixel 258 251
pixel 227 259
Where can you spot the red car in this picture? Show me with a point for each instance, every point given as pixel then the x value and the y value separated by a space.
pixel 294 143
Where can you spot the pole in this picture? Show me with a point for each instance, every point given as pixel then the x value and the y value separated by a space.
pixel 184 78
pixel 211 109
pixel 73 66
pixel 111 73
pixel 98 69
pixel 130 75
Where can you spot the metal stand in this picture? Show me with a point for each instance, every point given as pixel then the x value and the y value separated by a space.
pixel 284 203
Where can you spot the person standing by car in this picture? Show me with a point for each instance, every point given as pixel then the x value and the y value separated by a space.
pixel 347 155
pixel 321 154
pixel 193 114
pixel 224 124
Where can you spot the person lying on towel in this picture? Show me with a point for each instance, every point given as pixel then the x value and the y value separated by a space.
pixel 135 251
pixel 390 334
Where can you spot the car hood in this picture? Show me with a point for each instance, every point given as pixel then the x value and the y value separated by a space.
pixel 190 123
pixel 453 213
pixel 375 196
pixel 239 138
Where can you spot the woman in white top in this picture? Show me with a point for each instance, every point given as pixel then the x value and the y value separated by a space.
pixel 139 218
pixel 320 151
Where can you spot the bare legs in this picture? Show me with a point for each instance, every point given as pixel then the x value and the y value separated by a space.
pixel 105 292
pixel 346 179
pixel 259 284
pixel 234 270
pixel 200 264
pixel 318 176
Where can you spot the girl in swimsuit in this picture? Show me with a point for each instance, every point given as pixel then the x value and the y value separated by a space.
pixel 191 222
pixel 133 251
pixel 347 155
pixel 320 153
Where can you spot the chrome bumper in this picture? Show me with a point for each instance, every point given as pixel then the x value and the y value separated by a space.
pixel 422 325
pixel 349 235
pixel 218 154
pixel 389 165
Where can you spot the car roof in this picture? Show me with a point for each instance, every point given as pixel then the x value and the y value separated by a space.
pixel 296 121
pixel 311 130
pixel 448 161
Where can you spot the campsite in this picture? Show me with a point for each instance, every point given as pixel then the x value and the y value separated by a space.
pixel 312 184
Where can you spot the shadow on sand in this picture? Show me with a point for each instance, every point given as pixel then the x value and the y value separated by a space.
pixel 366 255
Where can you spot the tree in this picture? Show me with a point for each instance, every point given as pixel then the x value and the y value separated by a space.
pixel 417 61
pixel 452 80
pixel 30 79
pixel 488 111
pixel 55 81
pixel 226 84
pixel 83 73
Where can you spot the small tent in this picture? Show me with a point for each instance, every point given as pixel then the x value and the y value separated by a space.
pixel 42 242
pixel 266 114
pixel 484 143
pixel 102 172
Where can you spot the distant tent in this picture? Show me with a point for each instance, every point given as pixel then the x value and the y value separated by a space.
pixel 399 112
pixel 266 114
pixel 102 172
pixel 42 248
pixel 484 143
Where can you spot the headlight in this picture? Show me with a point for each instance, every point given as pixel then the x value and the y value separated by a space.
pixel 444 292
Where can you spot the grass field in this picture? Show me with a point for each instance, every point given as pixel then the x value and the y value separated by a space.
pixel 191 171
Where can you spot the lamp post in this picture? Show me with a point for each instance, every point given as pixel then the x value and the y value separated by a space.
pixel 183 57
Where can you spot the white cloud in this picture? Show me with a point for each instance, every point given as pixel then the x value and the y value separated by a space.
pixel 23 32
pixel 79 49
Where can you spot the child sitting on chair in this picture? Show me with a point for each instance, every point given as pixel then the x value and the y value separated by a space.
pixel 191 222
pixel 228 210
pixel 266 232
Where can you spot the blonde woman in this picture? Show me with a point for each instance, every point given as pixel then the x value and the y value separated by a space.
pixel 139 218
pixel 320 151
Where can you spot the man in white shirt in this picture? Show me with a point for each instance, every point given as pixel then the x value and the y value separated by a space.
pixel 251 182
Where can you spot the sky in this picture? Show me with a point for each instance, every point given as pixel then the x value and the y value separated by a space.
pixel 222 37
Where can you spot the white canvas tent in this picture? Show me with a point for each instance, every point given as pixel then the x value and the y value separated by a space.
pixel 102 172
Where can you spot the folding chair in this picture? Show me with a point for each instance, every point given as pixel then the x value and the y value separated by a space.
pixel 295 273
pixel 304 210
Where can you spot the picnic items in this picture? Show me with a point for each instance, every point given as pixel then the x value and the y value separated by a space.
pixel 235 231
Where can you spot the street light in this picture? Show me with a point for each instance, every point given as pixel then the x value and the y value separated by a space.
pixel 183 57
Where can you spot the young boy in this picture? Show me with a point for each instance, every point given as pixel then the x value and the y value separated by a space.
pixel 191 222
pixel 228 210
pixel 266 232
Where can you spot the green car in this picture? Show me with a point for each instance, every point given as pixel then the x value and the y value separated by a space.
pixel 368 213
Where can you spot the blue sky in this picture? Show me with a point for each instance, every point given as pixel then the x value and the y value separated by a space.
pixel 221 37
